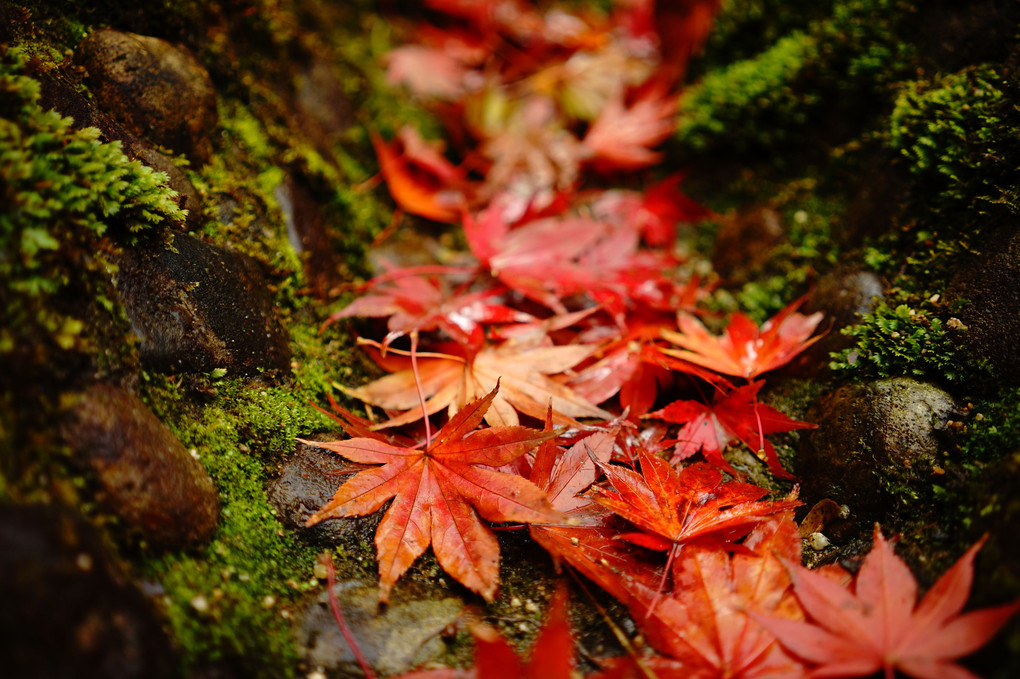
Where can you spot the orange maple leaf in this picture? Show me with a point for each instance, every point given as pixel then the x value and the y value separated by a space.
pixel 878 624
pixel 433 492
pixel 745 350
pixel 421 180
pixel 449 381
pixel 704 628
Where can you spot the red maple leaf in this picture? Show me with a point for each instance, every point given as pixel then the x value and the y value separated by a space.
pixel 552 655
pixel 422 303
pixel 733 416
pixel 421 180
pixel 674 507
pixel 704 628
pixel 621 369
pixel 878 625
pixel 433 492
pixel 654 212
pixel 623 134
pixel 745 350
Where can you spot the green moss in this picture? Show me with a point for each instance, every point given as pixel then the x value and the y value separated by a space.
pixel 770 99
pixel 897 339
pixel 994 429
pixel 216 598
pixel 62 190
pixel 744 28
pixel 958 137
pixel 69 202
pixel 752 90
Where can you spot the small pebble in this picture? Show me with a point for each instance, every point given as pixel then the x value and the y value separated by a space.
pixel 818 542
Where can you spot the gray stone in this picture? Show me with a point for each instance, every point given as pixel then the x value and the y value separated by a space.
pixel 308 480
pixel 159 92
pixel 873 437
pixel 197 307
pixel 145 475
pixel 67 612
pixel 844 296
pixel 394 639
pixel 987 289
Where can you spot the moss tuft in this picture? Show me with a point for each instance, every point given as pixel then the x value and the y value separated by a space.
pixel 898 339
pixel 958 136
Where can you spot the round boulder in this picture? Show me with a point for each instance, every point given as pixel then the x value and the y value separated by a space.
pixel 159 92
pixel 875 443
pixel 308 480
pixel 985 287
pixel 144 474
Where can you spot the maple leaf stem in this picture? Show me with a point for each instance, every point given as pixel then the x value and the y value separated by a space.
pixel 761 434
pixel 391 228
pixel 364 341
pixel 417 385
pixel 673 551
pixel 616 630
pixel 327 560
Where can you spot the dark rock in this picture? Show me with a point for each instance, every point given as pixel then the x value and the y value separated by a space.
pixel 951 35
pixel 873 440
pixel 393 640
pixel 987 287
pixel 996 510
pixel 66 612
pixel 158 91
pixel 744 243
pixel 308 480
pixel 197 307
pixel 306 229
pixel 844 296
pixel 145 475
pixel 323 110
pixel 60 95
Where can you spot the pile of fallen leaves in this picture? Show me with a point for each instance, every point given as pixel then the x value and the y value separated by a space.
pixel 547 355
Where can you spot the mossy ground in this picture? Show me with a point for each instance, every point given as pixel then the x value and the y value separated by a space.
pixel 795 105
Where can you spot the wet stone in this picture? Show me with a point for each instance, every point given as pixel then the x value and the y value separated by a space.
pixel 872 438
pixel 198 307
pixel 308 480
pixel 145 476
pixel 394 639
pixel 158 91
pixel 987 289
pixel 67 612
